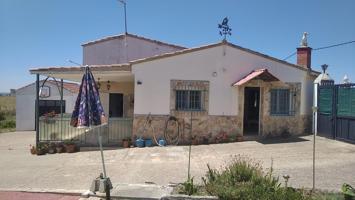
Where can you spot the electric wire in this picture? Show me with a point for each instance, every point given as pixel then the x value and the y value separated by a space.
pixel 320 48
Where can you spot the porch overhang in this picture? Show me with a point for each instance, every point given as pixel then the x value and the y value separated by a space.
pixel 262 74
pixel 114 73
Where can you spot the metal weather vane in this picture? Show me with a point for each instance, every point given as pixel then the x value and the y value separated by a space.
pixel 224 28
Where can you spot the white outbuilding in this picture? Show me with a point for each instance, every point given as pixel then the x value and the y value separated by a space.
pixel 49 101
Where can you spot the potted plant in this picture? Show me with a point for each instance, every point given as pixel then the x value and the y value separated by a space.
pixel 194 140
pixel 140 142
pixel 239 137
pixel 148 142
pixel 70 146
pixel 52 148
pixel 41 149
pixel 126 142
pixel 59 148
pixel 49 117
pixel 33 149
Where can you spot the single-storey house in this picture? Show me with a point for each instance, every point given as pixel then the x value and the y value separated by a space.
pixel 223 87
pixel 49 102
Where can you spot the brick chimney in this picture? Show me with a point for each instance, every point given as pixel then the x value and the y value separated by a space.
pixel 304 53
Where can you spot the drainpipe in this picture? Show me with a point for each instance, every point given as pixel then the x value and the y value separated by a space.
pixel 37 110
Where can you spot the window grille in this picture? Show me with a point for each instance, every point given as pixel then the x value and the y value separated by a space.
pixel 282 102
pixel 188 100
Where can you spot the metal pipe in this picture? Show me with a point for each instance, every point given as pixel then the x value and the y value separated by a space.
pixel 61 106
pixel 37 110
pixel 189 165
pixel 125 18
pixel 314 161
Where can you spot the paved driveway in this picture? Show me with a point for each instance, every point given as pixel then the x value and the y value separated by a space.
pixel 19 170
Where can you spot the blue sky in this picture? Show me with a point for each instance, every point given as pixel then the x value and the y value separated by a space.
pixel 37 33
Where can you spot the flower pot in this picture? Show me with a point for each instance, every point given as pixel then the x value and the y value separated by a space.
pixel 162 142
pixel 52 150
pixel 148 142
pixel 126 143
pixel 239 138
pixel 59 149
pixel 70 148
pixel 33 150
pixel 40 152
pixel 140 142
pixel 194 141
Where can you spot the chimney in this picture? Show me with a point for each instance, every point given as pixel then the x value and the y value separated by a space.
pixel 304 53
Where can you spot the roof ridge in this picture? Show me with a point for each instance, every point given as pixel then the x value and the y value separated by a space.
pixel 131 35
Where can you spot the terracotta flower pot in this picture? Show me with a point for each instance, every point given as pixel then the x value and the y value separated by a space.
pixel 70 148
pixel 33 150
pixel 126 144
pixel 60 149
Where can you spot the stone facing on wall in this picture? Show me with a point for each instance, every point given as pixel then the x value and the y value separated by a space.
pixel 273 125
pixel 208 126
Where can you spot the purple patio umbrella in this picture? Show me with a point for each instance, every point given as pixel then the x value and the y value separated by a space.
pixel 88 112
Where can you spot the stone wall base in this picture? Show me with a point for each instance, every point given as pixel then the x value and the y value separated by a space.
pixel 203 127
pixel 209 127
pixel 292 125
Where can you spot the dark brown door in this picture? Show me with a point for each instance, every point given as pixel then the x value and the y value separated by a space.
pixel 251 110
pixel 116 105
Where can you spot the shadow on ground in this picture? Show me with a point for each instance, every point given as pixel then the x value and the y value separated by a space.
pixel 279 140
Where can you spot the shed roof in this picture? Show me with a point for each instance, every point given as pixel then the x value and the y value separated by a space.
pixel 72 87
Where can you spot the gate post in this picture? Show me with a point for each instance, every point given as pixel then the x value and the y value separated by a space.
pixel 37 110
pixel 335 110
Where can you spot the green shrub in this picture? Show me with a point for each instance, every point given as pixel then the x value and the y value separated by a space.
pixel 188 187
pixel 2 116
pixel 245 179
pixel 8 124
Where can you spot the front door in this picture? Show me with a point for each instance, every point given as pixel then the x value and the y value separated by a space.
pixel 116 105
pixel 251 110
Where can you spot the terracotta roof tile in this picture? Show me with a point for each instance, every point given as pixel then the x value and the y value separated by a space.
pixel 263 74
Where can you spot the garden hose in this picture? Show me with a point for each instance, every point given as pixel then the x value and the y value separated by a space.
pixel 174 137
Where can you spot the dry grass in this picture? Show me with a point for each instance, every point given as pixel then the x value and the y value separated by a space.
pixel 8 110
pixel 7 104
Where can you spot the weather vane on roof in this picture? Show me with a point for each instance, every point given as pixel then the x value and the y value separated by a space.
pixel 224 28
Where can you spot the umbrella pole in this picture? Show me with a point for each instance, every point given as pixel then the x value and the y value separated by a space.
pixel 102 154
pixel 107 187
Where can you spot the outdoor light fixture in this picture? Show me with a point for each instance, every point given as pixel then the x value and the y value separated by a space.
pixel 108 85
pixel 214 74
pixel 98 83
pixel 139 82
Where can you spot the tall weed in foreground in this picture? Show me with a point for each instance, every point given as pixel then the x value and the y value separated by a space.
pixel 244 179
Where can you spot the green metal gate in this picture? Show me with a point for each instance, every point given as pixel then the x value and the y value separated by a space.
pixel 336 114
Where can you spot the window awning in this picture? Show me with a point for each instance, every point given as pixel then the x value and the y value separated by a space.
pixel 262 74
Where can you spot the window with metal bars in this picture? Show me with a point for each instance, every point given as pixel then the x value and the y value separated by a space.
pixel 282 102
pixel 188 100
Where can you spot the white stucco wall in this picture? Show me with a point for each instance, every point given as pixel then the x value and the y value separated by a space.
pixel 114 51
pixel 25 104
pixel 153 95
